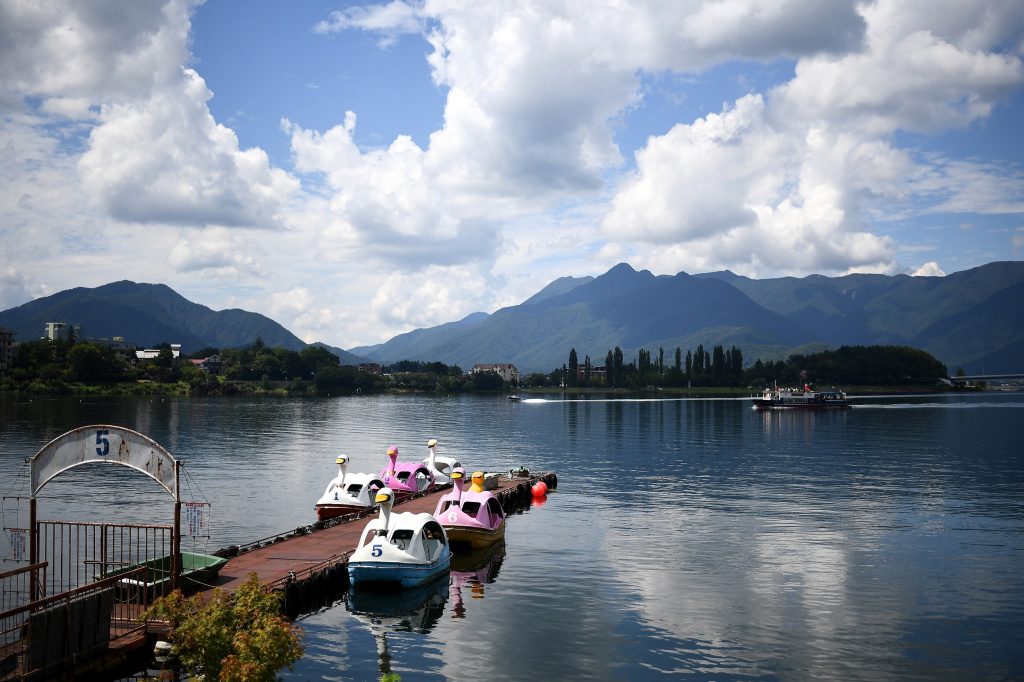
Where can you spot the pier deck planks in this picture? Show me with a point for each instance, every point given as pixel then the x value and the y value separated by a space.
pixel 273 562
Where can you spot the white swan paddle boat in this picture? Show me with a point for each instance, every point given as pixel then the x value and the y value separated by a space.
pixel 403 548
pixel 440 466
pixel 347 493
pixel 473 516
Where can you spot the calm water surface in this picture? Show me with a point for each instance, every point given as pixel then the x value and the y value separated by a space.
pixel 692 538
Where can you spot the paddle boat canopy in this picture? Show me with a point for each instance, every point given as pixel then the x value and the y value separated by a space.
pixel 405 478
pixel 347 493
pixel 403 549
pixel 473 516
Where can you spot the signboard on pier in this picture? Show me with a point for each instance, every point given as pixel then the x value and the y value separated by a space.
pixel 105 444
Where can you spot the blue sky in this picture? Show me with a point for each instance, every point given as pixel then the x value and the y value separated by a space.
pixel 357 170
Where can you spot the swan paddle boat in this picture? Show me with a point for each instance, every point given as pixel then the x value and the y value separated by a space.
pixel 404 549
pixel 473 516
pixel 441 466
pixel 347 493
pixel 405 478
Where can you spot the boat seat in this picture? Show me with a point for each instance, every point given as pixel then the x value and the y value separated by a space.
pixel 401 538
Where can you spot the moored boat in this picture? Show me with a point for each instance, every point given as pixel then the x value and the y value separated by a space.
pixel 403 549
pixel 405 478
pixel 472 517
pixel 347 493
pixel 440 466
pixel 806 398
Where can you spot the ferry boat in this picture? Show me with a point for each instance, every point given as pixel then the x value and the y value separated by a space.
pixel 775 398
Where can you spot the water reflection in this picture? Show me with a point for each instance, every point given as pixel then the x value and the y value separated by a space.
pixel 472 571
pixel 409 610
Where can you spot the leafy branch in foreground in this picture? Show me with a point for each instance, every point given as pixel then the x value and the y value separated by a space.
pixel 231 638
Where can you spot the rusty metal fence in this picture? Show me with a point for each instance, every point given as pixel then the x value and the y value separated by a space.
pixel 51 632
pixel 80 553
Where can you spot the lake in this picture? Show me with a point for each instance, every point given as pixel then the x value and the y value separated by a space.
pixel 694 538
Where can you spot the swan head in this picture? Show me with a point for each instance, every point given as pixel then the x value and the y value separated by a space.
pixel 393 456
pixel 385 498
pixel 478 482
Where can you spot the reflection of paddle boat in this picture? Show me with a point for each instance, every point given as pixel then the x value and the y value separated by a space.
pixel 471 516
pixel 347 493
pixel 439 465
pixel 406 549
pixel 405 478
pixel 474 570
pixel 417 609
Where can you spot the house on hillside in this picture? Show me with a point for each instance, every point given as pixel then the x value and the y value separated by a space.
pixel 370 367
pixel 210 365
pixel 507 372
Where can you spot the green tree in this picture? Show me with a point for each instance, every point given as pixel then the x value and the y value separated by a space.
pixel 231 638
pixel 574 368
pixel 88 362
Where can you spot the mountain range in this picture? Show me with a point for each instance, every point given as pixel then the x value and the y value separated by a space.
pixel 972 319
pixel 149 314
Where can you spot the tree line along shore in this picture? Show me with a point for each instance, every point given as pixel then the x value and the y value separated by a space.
pixel 67 366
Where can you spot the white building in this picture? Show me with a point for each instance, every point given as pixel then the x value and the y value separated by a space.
pixel 153 353
pixel 507 372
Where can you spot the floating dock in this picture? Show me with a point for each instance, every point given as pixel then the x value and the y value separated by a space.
pixel 309 564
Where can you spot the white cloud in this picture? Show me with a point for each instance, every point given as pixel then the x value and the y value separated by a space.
pixel 164 159
pixel 431 297
pixel 391 20
pixel 222 251
pixel 929 269
pixel 1017 241
pixel 795 181
pixel 100 51
pixel 107 137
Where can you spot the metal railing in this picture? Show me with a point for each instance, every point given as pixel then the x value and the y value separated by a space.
pixel 50 632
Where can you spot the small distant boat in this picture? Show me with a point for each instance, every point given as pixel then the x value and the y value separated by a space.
pixel 514 396
pixel 347 493
pixel 403 549
pixel 775 398
pixel 405 478
pixel 473 517
pixel 440 466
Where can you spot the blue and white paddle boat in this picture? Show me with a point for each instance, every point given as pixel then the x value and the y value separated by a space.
pixel 404 549
pixel 439 465
pixel 347 493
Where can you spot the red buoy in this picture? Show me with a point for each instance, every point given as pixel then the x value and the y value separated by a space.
pixel 540 488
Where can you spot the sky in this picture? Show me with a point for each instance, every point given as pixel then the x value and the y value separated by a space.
pixel 358 170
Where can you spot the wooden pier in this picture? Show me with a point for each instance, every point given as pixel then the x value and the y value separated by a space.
pixel 309 564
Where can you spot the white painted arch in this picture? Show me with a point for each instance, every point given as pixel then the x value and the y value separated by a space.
pixel 104 444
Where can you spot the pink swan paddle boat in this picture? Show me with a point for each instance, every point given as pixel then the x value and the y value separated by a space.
pixel 472 517
pixel 405 478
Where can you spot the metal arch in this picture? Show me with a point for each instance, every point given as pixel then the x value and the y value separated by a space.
pixel 104 443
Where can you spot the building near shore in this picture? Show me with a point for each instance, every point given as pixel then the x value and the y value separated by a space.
pixel 507 372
